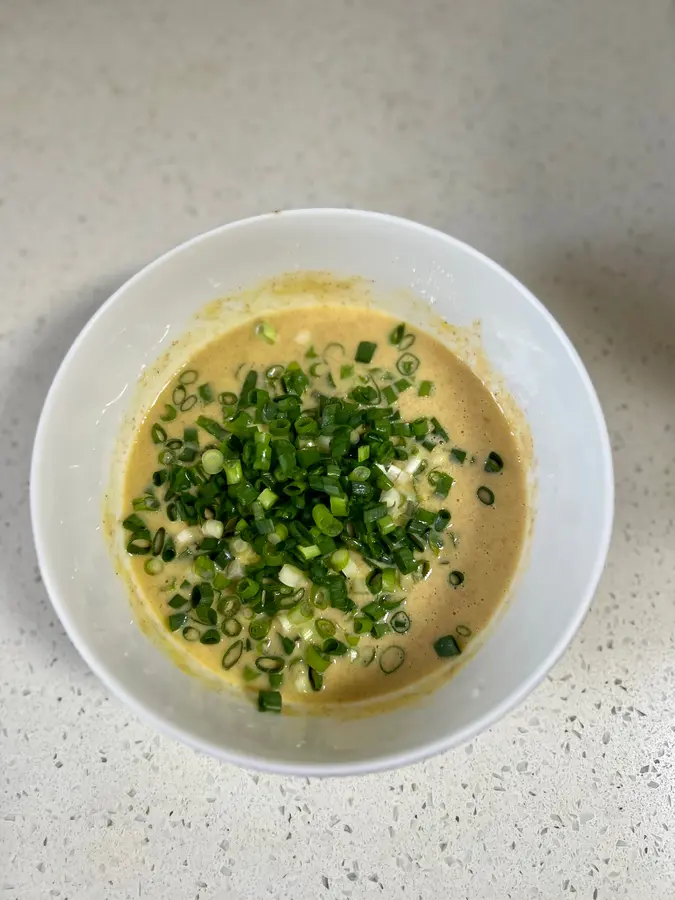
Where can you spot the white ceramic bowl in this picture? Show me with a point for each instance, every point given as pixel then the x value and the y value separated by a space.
pixel 90 397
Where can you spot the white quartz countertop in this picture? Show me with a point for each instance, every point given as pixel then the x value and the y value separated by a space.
pixel 542 132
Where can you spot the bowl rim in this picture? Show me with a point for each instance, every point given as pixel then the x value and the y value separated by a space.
pixel 380 762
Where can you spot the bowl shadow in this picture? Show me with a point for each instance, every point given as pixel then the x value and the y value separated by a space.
pixel 25 605
pixel 615 298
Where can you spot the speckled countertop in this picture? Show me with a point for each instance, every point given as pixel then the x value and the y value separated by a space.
pixel 541 131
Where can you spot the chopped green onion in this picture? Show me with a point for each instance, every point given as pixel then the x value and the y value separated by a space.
pixel 386 524
pixel 420 427
pixel 333 647
pixel 248 588
pixel 365 351
pixel 339 559
pixel 456 578
pixel 153 566
pixel 213 428
pixel 269 701
pixel 400 622
pixel 389 580
pixel 380 629
pixel 374 610
pixel 138 545
pixel 339 347
pixel 189 376
pixel 231 627
pixel 446 646
pixel 270 663
pixel 190 633
pixel 158 541
pixel 291 576
pixel 233 471
pixel 338 506
pixel 325 521
pixel 210 636
pixel 442 520
pixel 188 403
pixel 494 462
pixel 205 393
pixel 362 624
pixel 485 495
pixel 205 568
pixel 288 644
pixel 441 482
pixel 158 434
pixel 425 388
pixel 176 621
pixel 309 552
pixel 325 628
pixel 265 331
pixel 205 614
pixel 169 413
pixel 397 334
pixel 267 498
pixel 135 524
pixel 408 364
pixel 463 631
pixel 212 461
pixel 315 659
pixel 315 679
pixel 391 659
pixel 233 654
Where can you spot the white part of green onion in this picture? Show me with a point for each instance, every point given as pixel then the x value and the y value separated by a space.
pixel 360 566
pixel 307 632
pixel 213 528
pixel 351 570
pixel 153 566
pixel 324 442
pixel 391 497
pixel 413 465
pixel 238 546
pixel 266 332
pixel 186 537
pixel 291 577
pixel 284 625
pixel 404 483
pixel 236 569
pixel 393 472
pixel 212 461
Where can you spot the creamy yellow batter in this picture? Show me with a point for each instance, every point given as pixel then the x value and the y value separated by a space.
pixel 487 539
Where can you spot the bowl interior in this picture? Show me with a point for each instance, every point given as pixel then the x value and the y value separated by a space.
pixel 540 369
